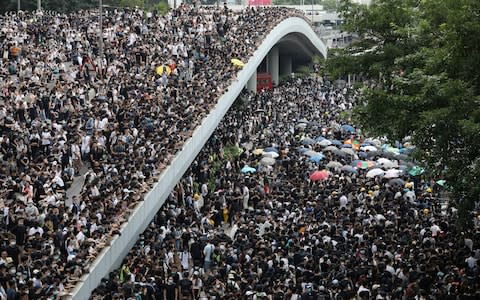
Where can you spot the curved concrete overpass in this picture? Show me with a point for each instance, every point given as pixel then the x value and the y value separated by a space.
pixel 292 32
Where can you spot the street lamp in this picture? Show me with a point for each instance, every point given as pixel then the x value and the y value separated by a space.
pixel 100 43
pixel 18 5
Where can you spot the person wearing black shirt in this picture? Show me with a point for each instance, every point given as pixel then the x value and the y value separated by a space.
pixel 170 291
pixel 13 251
pixel 20 232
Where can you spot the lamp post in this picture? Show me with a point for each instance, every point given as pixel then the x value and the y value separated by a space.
pixel 18 5
pixel 100 44
pixel 39 5
pixel 312 12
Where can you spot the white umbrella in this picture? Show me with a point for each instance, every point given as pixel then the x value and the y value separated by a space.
pixel 387 164
pixel 375 172
pixel 334 165
pixel 270 154
pixel 301 125
pixel 330 148
pixel 369 148
pixel 267 161
pixel 392 173
pixel 248 146
pixel 325 143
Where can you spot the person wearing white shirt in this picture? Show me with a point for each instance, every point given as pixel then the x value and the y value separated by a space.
pixel 34 230
pixel 185 259
pixel 208 253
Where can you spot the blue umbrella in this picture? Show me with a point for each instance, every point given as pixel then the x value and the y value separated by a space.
pixel 319 138
pixel 346 146
pixel 308 141
pixel 367 143
pixel 336 142
pixel 348 128
pixel 248 169
pixel 406 150
pixel 302 149
pixel 362 154
pixel 349 169
pixel 270 149
pixel 316 158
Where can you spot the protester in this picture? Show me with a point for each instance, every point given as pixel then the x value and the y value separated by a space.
pixel 349 235
pixel 115 113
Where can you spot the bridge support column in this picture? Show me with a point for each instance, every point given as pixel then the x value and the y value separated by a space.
pixel 272 65
pixel 286 66
pixel 252 83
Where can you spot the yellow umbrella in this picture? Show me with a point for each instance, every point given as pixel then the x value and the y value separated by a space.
pixel 258 151
pixel 160 69
pixel 236 62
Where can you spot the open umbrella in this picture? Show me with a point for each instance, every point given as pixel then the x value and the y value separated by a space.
pixel 392 173
pixel 416 171
pixel 301 125
pixel 390 149
pixel 362 154
pixel 270 154
pixel 336 142
pixel 402 157
pixel 348 169
pixel 247 146
pixel 319 138
pixel 258 151
pixel 308 141
pixel 441 182
pixel 248 169
pixel 396 182
pixel 270 149
pixel 339 153
pixel 386 163
pixel 310 153
pixel 163 69
pixel 349 151
pixel 347 146
pixel 334 165
pixel 375 172
pixel 348 128
pixel 330 148
pixel 363 164
pixel 374 153
pixel 319 175
pixel 325 143
pixel 267 161
pixel 368 148
pixel 316 158
pixel 302 149
pixel 237 63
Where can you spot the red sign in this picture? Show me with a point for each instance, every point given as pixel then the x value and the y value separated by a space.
pixel 259 2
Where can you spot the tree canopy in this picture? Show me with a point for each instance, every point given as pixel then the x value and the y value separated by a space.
pixel 424 58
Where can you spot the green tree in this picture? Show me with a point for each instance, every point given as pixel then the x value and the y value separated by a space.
pixel 424 58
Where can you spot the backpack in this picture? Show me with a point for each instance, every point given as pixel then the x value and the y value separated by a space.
pixel 185 286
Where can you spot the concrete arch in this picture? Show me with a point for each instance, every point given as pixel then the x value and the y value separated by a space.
pixel 112 256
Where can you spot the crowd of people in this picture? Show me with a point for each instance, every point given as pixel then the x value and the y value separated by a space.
pixel 117 107
pixel 250 220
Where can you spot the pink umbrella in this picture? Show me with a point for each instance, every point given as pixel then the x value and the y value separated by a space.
pixel 319 175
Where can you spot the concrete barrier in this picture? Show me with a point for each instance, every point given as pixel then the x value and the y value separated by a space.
pixel 112 256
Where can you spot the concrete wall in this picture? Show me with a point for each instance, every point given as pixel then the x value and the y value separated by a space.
pixel 112 256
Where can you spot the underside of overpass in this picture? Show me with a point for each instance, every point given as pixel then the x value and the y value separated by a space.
pixel 290 52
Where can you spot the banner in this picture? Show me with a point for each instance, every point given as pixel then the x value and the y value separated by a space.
pixel 259 2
